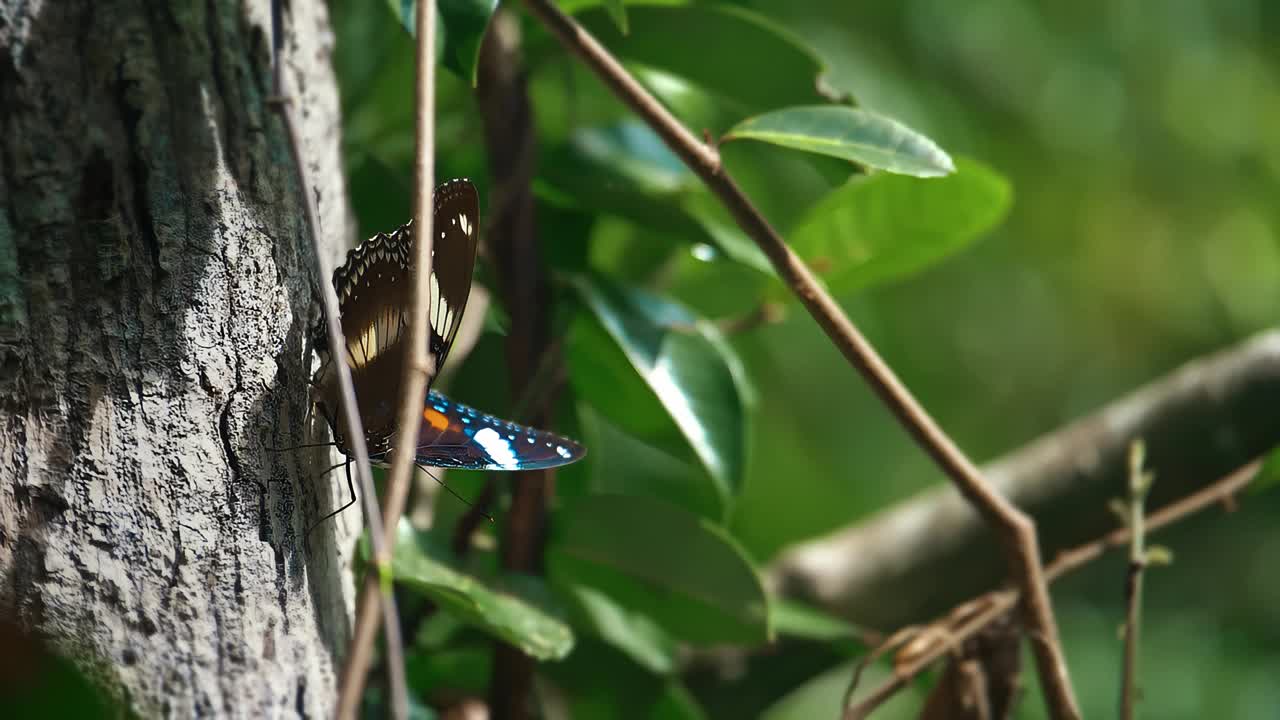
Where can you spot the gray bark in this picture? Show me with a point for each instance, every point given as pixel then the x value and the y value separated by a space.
pixel 155 315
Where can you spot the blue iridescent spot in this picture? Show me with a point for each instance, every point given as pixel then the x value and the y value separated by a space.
pixel 440 408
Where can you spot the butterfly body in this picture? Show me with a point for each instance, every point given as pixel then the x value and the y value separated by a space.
pixel 374 297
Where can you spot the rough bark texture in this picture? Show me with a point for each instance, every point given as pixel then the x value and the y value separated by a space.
pixel 155 309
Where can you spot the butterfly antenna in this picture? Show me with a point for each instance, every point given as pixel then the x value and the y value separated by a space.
pixel 351 488
pixel 454 493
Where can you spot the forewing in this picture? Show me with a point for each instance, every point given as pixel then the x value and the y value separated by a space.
pixel 455 223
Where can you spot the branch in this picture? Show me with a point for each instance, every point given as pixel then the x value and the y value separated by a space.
pixel 996 604
pixel 1200 421
pixel 510 143
pixel 1015 529
pixel 419 367
pixel 395 655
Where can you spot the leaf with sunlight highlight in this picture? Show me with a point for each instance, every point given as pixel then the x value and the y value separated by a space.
pixel 421 566
pixel 849 133
pixel 685 363
pixel 881 228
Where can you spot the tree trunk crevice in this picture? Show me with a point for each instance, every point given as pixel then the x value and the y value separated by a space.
pixel 156 308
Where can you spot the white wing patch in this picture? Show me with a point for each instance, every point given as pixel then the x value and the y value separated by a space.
pixel 498 447
pixel 442 317
pixel 374 338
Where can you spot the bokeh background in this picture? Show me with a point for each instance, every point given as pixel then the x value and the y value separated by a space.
pixel 1142 144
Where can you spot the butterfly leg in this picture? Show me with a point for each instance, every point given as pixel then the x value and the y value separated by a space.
pixel 351 489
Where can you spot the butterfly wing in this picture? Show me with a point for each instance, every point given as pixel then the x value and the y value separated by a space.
pixel 374 296
pixel 453 261
pixel 454 435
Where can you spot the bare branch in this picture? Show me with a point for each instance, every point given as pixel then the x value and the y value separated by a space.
pixel 395 656
pixel 1224 401
pixel 419 367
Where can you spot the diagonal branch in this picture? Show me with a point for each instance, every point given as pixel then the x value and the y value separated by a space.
pixel 384 599
pixel 419 367
pixel 1016 530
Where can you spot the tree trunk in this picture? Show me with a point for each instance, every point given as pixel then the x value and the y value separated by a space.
pixel 155 320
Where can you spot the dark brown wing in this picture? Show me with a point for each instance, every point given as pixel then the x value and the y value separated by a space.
pixel 453 260
pixel 374 295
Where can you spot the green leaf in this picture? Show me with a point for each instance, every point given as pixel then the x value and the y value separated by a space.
pixel 882 228
pixel 625 170
pixel 848 133
pixel 635 634
pixel 1269 475
pixel 625 464
pixel 749 64
pixel 685 363
pixel 657 560
pixel 822 694
pixel 797 619
pixel 457 669
pixel 618 11
pixel 460 26
pixel 420 565
pixel 496 319
pixel 597 681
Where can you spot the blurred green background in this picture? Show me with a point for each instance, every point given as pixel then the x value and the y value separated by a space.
pixel 1140 142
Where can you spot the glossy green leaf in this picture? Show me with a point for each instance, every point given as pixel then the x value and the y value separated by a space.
pixel 625 464
pixel 743 60
pixel 460 26
pixel 849 133
pixel 420 565
pixel 882 228
pixel 684 362
pixel 654 559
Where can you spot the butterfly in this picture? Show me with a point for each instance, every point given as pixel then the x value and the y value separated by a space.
pixel 374 302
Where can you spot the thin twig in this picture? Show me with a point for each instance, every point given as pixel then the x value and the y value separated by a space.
pixel 395 655
pixel 1139 486
pixel 419 367
pixel 1015 529
pixel 1220 492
